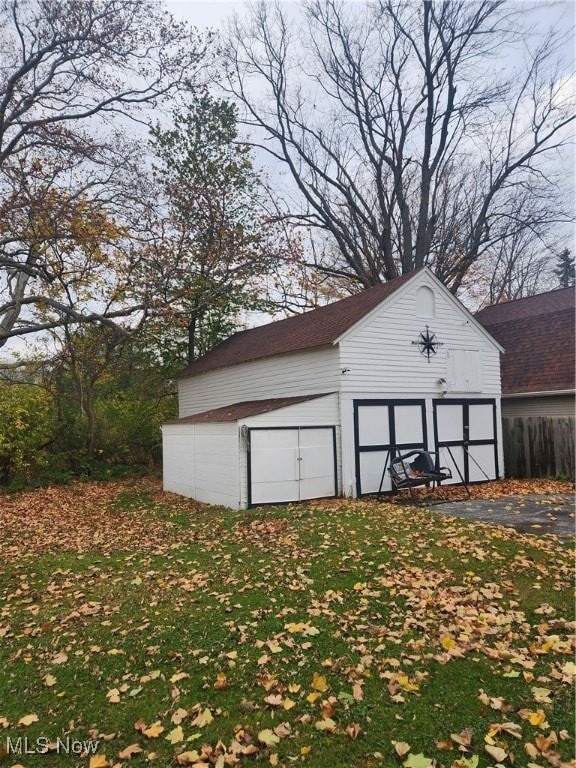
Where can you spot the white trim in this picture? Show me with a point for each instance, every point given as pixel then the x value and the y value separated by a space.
pixel 423 273
pixel 545 393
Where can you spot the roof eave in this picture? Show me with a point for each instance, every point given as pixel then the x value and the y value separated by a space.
pixel 539 393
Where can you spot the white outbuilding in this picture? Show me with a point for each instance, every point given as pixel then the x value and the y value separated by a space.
pixel 316 405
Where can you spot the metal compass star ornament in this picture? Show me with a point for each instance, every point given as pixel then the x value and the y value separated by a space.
pixel 428 343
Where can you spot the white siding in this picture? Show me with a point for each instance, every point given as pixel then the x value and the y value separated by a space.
pixel 384 364
pixel 322 411
pixel 301 373
pixel 382 358
pixel 201 461
pixel 552 405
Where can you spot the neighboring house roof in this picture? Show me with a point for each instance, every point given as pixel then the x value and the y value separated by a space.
pixel 316 328
pixel 244 410
pixel 537 333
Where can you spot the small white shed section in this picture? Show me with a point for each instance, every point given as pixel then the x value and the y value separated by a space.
pixel 256 452
pixel 330 397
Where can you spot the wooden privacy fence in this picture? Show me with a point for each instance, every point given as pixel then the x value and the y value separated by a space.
pixel 538 446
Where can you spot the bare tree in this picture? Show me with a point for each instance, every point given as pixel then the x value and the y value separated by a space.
pixel 408 134
pixel 73 74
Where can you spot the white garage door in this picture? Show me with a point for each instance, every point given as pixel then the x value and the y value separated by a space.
pixel 291 464
pixel 465 437
pixel 384 428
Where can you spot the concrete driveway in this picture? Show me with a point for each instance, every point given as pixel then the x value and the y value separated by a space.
pixel 535 514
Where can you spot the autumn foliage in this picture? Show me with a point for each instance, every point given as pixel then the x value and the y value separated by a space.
pixel 338 633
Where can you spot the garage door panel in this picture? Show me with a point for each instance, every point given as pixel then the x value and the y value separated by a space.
pixel 469 427
pixel 272 439
pixel 317 461
pixel 292 464
pixel 275 492
pixel 281 465
pixel 371 468
pixel 482 462
pixel 316 438
pixel 481 421
pixel 408 424
pixel 454 460
pixel 373 425
pixel 450 423
pixel 317 487
pixel 274 455
pixel 380 426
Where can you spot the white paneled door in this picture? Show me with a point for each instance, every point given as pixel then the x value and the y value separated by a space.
pixel 291 464
pixel 384 428
pixel 466 438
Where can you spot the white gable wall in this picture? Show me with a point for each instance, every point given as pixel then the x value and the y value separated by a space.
pixel 382 358
pixel 382 363
pixel 311 372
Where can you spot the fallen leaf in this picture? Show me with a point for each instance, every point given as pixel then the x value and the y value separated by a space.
pixel 187 758
pixel 464 738
pixel 176 735
pixel 179 715
pixel 401 748
pixel 542 695
pixel 319 683
pixel 417 761
pixel 179 676
pixel 327 724
pixel 353 731
pixel 203 718
pixel 497 753
pixel 130 751
pixel 268 737
pixel 28 719
pixel 283 730
pixel 98 761
pixel 154 730
pixel 466 762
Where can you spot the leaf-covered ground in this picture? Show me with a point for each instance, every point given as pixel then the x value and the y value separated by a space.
pixel 159 632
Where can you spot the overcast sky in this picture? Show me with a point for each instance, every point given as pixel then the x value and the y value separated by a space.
pixel 215 12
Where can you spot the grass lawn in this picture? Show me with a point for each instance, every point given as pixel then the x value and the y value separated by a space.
pixel 161 632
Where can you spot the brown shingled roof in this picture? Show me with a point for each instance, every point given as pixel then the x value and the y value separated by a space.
pixel 312 329
pixel 537 333
pixel 243 410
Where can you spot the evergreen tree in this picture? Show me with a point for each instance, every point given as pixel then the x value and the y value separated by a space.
pixel 217 242
pixel 565 270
